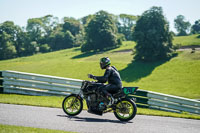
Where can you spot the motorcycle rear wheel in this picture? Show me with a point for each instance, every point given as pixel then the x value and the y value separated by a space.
pixel 125 110
pixel 72 105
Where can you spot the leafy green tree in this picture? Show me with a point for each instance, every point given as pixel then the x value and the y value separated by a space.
pixel 154 41
pixel 126 25
pixel 34 29
pixel 61 40
pixel 76 28
pixel 101 33
pixel 16 36
pixel 69 39
pixel 44 48
pixel 56 40
pixel 22 41
pixel 72 25
pixel 49 22
pixel 196 27
pixel 9 28
pixel 181 25
pixel 85 20
pixel 79 39
pixel 41 27
pixel 39 30
pixel 7 49
pixel 31 48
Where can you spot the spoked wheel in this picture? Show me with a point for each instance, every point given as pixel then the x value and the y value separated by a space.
pixel 125 110
pixel 72 105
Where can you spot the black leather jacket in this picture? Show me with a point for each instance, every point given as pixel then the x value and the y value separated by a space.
pixel 112 76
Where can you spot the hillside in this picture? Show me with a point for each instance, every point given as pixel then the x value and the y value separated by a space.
pixel 179 76
pixel 187 40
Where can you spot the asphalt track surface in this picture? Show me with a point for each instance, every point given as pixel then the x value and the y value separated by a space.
pixel 55 118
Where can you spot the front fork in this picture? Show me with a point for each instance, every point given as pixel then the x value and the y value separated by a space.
pixel 77 97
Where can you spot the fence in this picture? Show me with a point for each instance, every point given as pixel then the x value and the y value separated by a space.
pixel 36 84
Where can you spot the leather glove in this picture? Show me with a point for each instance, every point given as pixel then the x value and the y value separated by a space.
pixel 91 76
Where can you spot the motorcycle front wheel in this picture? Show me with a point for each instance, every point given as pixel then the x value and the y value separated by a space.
pixel 125 110
pixel 72 105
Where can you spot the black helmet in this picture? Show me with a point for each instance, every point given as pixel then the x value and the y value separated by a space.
pixel 104 62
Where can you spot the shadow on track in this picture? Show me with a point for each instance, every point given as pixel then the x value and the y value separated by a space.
pixel 86 119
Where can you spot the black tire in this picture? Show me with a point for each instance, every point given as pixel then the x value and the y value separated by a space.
pixel 125 110
pixel 72 105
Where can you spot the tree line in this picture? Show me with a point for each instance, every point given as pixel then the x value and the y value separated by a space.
pixel 47 34
pixel 98 32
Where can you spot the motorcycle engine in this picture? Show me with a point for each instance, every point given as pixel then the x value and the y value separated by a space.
pixel 92 99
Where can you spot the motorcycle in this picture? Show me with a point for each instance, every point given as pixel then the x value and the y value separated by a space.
pixel 124 107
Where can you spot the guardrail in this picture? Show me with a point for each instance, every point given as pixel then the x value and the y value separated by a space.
pixel 36 84
pixel 1 82
pixel 165 102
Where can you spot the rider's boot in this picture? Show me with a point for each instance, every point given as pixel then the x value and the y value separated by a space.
pixel 111 99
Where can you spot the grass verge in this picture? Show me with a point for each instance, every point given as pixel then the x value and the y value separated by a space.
pixel 187 40
pixel 20 129
pixel 56 102
pixel 179 76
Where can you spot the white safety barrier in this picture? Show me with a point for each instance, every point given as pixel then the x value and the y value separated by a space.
pixel 36 84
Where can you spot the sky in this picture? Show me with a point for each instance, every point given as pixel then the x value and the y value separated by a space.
pixel 19 11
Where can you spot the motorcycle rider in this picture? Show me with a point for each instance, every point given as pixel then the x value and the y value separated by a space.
pixel 112 76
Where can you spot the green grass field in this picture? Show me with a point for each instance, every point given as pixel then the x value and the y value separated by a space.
pixel 20 129
pixel 179 76
pixel 187 40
